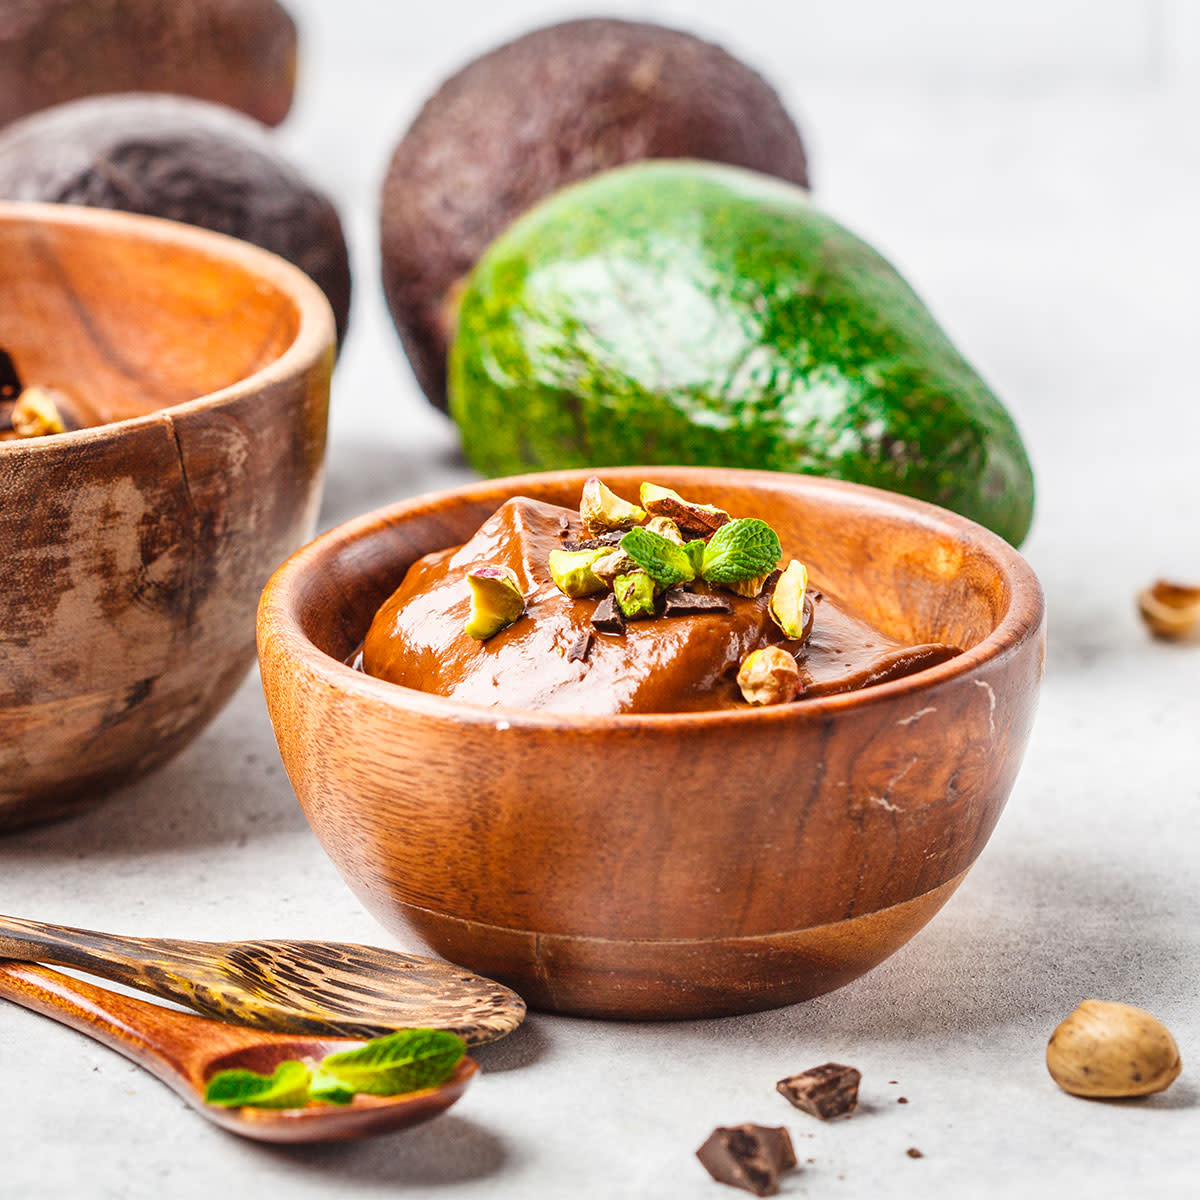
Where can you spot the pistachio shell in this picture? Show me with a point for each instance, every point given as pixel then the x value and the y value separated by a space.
pixel 1107 1050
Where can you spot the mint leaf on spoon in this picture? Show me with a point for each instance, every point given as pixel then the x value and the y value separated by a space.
pixel 406 1061
pixel 287 1087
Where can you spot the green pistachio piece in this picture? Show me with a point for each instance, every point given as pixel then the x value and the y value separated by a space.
pixel 572 571
pixel 602 510
pixel 615 562
pixel 787 601
pixel 696 518
pixel 634 594
pixel 496 601
pixel 665 527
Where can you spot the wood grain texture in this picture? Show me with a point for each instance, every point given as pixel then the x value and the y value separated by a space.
pixel 135 550
pixel 513 841
pixel 288 986
pixel 186 1051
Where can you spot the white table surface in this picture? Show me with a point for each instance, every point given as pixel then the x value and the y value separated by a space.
pixel 1054 232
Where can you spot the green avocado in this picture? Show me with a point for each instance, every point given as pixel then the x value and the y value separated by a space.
pixel 675 312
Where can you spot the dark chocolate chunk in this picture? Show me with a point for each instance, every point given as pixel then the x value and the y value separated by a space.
pixel 913 1152
pixel 580 647
pixel 601 540
pixel 608 618
pixel 826 1091
pixel 901 1099
pixel 10 381
pixel 748 1156
pixel 678 603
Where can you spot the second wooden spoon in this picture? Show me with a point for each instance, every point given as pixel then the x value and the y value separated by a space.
pixel 336 988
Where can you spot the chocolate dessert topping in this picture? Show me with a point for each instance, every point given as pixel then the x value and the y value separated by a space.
pixel 596 543
pixel 581 646
pixel 680 603
pixel 748 1156
pixel 608 618
pixel 826 1091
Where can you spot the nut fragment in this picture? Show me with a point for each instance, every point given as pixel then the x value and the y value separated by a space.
pixel 769 676
pixel 635 594
pixel 665 527
pixel 748 587
pixel 694 518
pixel 610 565
pixel 787 600
pixel 1107 1050
pixel 496 601
pixel 572 571
pixel 1170 610
pixel 38 412
pixel 602 510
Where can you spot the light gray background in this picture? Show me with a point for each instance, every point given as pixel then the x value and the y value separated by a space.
pixel 1034 168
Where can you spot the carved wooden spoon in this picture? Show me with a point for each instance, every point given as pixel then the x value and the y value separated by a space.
pixel 298 987
pixel 186 1051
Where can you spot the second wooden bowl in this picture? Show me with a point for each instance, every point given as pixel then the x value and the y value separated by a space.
pixel 135 550
pixel 679 864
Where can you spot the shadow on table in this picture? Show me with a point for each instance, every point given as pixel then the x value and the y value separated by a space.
pixel 448 1150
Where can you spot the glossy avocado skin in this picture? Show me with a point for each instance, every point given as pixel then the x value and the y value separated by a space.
pixel 687 313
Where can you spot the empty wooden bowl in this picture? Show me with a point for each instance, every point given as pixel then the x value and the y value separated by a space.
pixel 135 550
pixel 666 865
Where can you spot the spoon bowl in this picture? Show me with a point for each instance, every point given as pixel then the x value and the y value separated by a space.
pixel 186 1051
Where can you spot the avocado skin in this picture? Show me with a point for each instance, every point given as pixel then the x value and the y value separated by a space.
pixel 185 160
pixel 554 106
pixel 688 313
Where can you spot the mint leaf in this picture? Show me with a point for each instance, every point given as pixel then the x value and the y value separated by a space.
pixel 695 552
pixel 328 1089
pixel 406 1061
pixel 743 549
pixel 665 562
pixel 286 1088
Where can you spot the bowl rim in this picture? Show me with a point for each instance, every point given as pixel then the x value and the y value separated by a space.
pixel 315 333
pixel 278 621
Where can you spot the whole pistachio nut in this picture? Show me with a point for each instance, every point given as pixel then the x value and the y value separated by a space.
pixel 602 510
pixel 496 601
pixel 634 594
pixel 572 571
pixel 1106 1050
pixel 787 600
pixel 694 518
pixel 769 676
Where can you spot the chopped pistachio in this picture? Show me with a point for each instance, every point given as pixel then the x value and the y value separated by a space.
pixel 665 527
pixel 36 414
pixel 769 676
pixel 572 572
pixel 496 601
pixel 748 587
pixel 602 510
pixel 635 594
pixel 613 563
pixel 695 518
pixel 787 601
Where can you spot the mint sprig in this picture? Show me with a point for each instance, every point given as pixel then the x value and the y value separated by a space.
pixel 665 562
pixel 743 549
pixel 286 1087
pixel 406 1061
pixel 401 1062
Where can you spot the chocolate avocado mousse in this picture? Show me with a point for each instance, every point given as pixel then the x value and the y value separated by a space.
pixel 657 642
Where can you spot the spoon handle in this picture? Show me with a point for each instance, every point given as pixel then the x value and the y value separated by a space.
pixel 154 1037
pixel 129 960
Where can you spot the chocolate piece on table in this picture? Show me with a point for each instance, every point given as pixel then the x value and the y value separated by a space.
pixel 678 603
pixel 748 1156
pixel 608 618
pixel 913 1152
pixel 580 647
pixel 827 1091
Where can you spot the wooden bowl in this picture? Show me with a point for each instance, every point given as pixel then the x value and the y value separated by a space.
pixel 677 865
pixel 135 550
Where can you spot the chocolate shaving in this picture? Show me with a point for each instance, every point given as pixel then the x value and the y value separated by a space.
pixel 564 527
pixel 748 1156
pixel 603 540
pixel 678 603
pixel 608 618
pixel 580 647
pixel 826 1091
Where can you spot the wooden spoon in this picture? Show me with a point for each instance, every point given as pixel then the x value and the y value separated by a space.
pixel 186 1051
pixel 297 987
